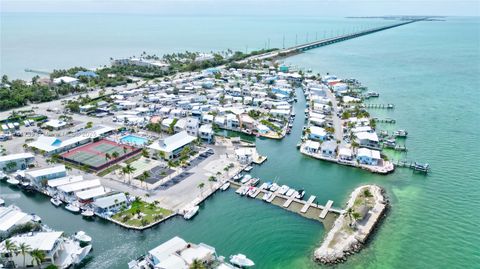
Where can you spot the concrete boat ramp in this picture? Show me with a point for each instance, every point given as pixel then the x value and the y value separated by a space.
pixel 306 208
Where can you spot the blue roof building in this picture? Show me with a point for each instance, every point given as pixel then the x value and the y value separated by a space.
pixel 89 74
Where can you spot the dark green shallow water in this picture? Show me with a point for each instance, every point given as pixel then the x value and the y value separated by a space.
pixel 430 70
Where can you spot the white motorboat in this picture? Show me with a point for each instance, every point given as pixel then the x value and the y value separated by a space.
pixel 82 237
pixel 225 186
pixel 241 260
pixel 240 190
pixel 13 181
pixel 274 187
pixel 283 189
pixel 88 213
pixel 248 168
pixel 36 218
pixel 300 194
pixel 191 212
pixel 2 202
pixel 24 184
pixel 264 186
pixel 252 191
pixel 245 191
pixel 290 192
pixel 267 196
pixel 254 182
pixel 2 175
pixel 72 208
pixel 246 179
pixel 237 177
pixel 55 201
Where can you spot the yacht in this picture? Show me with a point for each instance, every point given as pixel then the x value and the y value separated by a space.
pixel 237 177
pixel 267 196
pixel 401 133
pixel 83 238
pixel 36 218
pixel 191 212
pixel 13 182
pixel 290 192
pixel 88 213
pixel 2 202
pixel 225 186
pixel 252 191
pixel 240 190
pixel 274 187
pixel 248 168
pixel 246 179
pixel 72 208
pixel 300 194
pixel 283 189
pixel 254 182
pixel 55 201
pixel 241 261
pixel 245 191
pixel 264 186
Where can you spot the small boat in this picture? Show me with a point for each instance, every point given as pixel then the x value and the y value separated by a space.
pixel 240 190
pixel 267 196
pixel 55 201
pixel 13 182
pixel 248 168
pixel 241 261
pixel 36 218
pixel 72 208
pixel 264 186
pixel 300 194
pixel 283 189
pixel 290 192
pixel 225 186
pixel 254 182
pixel 246 179
pixel 274 187
pixel 245 191
pixel 237 177
pixel 88 213
pixel 25 184
pixel 401 133
pixel 252 191
pixel 83 238
pixel 2 175
pixel 2 202
pixel 191 212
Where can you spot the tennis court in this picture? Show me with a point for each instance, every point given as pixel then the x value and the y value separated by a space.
pixel 100 154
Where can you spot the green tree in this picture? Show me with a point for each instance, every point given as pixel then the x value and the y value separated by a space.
pixel 115 154
pixel 24 249
pixel 38 257
pixel 11 248
pixel 196 264
pixel 107 156
pixel 201 186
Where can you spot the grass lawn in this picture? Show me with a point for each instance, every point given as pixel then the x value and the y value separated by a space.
pixel 108 170
pixel 141 214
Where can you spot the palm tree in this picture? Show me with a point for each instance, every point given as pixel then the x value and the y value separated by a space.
pixel 24 248
pixel 128 170
pixel 196 264
pixel 124 150
pixel 11 165
pixel 367 194
pixel 38 257
pixel 107 156
pixel 349 214
pixel 115 154
pixel 10 247
pixel 212 179
pixel 200 186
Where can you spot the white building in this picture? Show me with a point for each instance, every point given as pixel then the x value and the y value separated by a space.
pixel 206 133
pixel 40 176
pixel 11 217
pixel 14 162
pixel 111 203
pixel 66 80
pixel 171 146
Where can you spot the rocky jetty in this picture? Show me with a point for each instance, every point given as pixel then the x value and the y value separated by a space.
pixel 364 210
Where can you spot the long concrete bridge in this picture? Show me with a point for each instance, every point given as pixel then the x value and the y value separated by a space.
pixel 325 42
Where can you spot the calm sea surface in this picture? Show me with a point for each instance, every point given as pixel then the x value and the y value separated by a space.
pixel 429 70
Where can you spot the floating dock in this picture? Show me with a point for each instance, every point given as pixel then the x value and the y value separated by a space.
pixel 308 204
pixel 326 209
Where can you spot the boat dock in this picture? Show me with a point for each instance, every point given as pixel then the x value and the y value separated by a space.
pixel 379 106
pixel 308 204
pixel 326 209
pixel 415 166
pixel 308 209
pixel 386 120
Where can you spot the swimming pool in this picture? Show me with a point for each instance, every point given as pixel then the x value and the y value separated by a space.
pixel 133 139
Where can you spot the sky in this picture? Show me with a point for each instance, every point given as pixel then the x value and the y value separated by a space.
pixel 251 7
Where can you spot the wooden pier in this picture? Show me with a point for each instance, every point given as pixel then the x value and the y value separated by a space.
pixel 379 106
pixel 386 120
pixel 415 166
pixel 306 209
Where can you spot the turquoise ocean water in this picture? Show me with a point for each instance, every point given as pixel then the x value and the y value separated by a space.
pixel 429 70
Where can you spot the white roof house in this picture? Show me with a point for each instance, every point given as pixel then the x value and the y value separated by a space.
pixel 367 136
pixel 91 193
pixel 56 124
pixel 21 161
pixel 173 143
pixel 53 183
pixel 372 154
pixel 41 240
pixel 14 157
pixel 79 186
pixel 164 250
pixel 109 201
pixel 51 144
pixel 46 173
pixel 12 216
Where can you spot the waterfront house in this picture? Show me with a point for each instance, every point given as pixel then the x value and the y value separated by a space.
pixel 66 80
pixel 67 192
pixel 171 146
pixel 368 156
pixel 55 124
pixel 53 184
pixel 13 162
pixel 88 196
pixel 206 133
pixel 40 176
pixel 317 133
pixel 12 217
pixel 368 140
pixel 345 154
pixel 176 253
pixel 232 121
pixel 88 74
pixel 111 203
pixel 329 149
pixel 192 126
pixel 311 147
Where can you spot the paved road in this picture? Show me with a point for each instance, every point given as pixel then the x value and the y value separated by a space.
pixel 337 122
